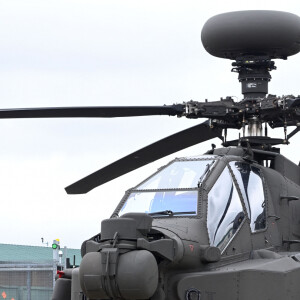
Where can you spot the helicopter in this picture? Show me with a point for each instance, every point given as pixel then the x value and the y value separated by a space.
pixel 223 225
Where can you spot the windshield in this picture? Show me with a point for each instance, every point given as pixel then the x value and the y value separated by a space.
pixel 150 202
pixel 173 189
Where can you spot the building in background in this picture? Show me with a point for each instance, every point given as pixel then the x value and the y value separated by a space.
pixel 27 272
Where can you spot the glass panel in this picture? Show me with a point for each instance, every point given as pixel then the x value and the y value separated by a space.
pixel 251 186
pixel 149 202
pixel 225 212
pixel 255 193
pixel 178 175
pixel 241 172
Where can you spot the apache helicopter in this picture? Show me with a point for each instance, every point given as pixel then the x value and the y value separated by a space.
pixel 224 225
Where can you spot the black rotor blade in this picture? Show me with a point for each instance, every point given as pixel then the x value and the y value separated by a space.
pixel 146 155
pixel 92 111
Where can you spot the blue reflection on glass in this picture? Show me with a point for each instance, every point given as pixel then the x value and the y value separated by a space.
pixel 149 202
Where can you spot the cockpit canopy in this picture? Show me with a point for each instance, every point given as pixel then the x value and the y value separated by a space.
pixel 173 188
pixel 226 191
pixel 237 193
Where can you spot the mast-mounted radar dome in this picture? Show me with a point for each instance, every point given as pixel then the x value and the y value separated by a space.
pixel 252 38
pixel 233 35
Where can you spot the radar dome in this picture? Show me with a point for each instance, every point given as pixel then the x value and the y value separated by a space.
pixel 232 35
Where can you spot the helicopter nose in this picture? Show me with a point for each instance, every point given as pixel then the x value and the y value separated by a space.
pixel 107 275
pixel 120 270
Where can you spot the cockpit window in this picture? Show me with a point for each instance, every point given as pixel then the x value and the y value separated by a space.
pixel 225 212
pixel 172 191
pixel 251 186
pixel 183 202
pixel 178 175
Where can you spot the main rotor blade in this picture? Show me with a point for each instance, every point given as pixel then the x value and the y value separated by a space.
pixel 92 111
pixel 146 155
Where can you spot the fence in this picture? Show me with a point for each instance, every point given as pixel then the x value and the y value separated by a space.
pixel 27 280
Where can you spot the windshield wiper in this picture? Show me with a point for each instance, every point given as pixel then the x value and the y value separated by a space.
pixel 170 213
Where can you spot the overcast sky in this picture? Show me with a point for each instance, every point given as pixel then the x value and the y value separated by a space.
pixel 76 53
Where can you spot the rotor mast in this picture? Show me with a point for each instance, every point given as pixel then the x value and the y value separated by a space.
pixel 254 76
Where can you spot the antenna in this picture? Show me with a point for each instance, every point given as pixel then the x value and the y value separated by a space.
pixel 46 243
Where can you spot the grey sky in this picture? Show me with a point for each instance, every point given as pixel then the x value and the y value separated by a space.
pixel 68 53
